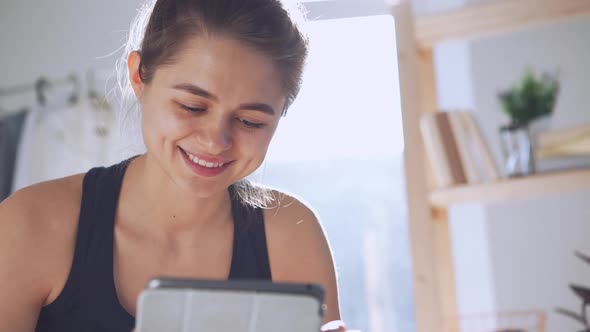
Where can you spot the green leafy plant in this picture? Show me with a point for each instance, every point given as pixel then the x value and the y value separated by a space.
pixel 584 294
pixel 529 100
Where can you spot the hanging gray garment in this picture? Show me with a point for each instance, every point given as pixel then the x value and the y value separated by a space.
pixel 10 133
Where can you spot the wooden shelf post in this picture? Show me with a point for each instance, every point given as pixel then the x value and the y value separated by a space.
pixel 434 285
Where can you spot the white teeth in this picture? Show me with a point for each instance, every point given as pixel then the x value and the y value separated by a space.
pixel 201 162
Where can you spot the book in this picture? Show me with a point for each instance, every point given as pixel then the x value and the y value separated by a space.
pixel 451 149
pixel 441 149
pixel 456 149
pixel 435 151
pixel 560 136
pixel 480 151
pixel 465 146
pixel 568 142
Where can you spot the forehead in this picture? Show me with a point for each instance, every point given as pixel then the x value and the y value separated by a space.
pixel 226 68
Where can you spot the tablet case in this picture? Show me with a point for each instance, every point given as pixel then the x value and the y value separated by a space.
pixel 183 305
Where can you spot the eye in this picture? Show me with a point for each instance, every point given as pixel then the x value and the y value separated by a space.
pixel 250 124
pixel 192 109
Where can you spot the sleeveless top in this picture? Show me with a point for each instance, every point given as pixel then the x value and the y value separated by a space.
pixel 89 300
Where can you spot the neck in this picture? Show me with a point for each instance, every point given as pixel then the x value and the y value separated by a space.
pixel 167 206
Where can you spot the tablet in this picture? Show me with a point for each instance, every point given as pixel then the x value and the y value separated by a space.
pixel 182 305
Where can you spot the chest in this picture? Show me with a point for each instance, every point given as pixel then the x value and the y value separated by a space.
pixel 137 259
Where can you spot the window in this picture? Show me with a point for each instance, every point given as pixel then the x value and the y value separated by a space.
pixel 340 148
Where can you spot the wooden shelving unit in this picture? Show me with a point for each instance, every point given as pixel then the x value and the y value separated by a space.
pixel 434 281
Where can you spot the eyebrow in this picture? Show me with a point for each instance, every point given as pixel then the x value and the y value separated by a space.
pixel 195 90
pixel 264 108
pixel 198 91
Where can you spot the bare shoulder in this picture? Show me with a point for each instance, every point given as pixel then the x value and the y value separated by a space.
pixel 298 248
pixel 293 225
pixel 288 212
pixel 37 236
pixel 39 206
pixel 43 214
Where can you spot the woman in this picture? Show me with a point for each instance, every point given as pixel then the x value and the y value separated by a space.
pixel 213 78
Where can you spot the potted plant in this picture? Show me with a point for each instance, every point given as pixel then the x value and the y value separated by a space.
pixel 530 100
pixel 584 294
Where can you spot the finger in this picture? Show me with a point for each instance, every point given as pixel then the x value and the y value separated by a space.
pixel 334 326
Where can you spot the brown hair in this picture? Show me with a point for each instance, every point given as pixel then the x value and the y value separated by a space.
pixel 267 26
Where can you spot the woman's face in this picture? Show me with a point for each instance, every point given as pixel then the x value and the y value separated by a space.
pixel 208 117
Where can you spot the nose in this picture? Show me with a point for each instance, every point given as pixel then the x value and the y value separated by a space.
pixel 215 138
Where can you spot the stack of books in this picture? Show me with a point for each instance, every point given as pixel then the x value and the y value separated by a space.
pixel 456 149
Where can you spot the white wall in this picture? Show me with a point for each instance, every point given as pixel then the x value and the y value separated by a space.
pixel 533 243
pixel 54 38
pixel 471 247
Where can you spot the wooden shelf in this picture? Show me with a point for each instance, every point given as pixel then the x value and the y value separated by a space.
pixel 492 17
pixel 525 187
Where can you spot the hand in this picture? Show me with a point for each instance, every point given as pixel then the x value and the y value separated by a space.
pixel 336 326
pixel 340 329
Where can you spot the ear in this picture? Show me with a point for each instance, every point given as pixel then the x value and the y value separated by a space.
pixel 133 63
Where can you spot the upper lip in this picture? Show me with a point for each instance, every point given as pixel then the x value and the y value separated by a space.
pixel 208 158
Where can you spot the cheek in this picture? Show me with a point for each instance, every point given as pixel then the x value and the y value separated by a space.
pixel 255 145
pixel 161 123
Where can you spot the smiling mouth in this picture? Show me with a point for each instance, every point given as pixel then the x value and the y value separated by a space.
pixel 202 162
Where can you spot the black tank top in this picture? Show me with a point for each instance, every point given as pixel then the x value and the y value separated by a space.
pixel 89 300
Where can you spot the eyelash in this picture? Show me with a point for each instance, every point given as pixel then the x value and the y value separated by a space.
pixel 246 123
pixel 250 124
pixel 192 109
